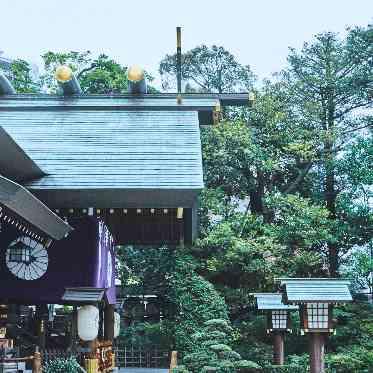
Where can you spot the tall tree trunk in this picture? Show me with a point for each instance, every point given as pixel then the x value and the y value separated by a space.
pixel 330 197
pixel 257 195
pixel 330 191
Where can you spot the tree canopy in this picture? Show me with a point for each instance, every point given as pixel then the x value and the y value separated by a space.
pixel 207 69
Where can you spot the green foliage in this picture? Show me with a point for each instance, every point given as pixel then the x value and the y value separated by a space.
pixel 328 83
pixel 288 193
pixel 104 75
pixel 61 365
pixel 145 270
pixel 294 364
pixel 21 77
pixel 95 75
pixel 77 61
pixel 196 302
pixel 208 70
pixel 358 359
pixel 148 335
pixel 211 352
pixel 359 268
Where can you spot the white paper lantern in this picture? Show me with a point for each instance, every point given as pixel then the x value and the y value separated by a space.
pixel 88 323
pixel 116 324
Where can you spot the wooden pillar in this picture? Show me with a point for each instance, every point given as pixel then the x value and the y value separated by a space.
pixel 109 322
pixel 317 347
pixel 73 329
pixel 100 336
pixel 41 334
pixel 173 363
pixel 36 363
pixel 278 348
pixel 41 316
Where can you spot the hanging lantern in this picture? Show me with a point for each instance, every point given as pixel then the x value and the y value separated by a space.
pixel 116 324
pixel 316 299
pixel 278 321
pixel 88 323
pixel 278 313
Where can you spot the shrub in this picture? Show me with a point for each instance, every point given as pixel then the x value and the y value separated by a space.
pixel 220 348
pixel 180 369
pixel 358 359
pixel 196 301
pixel 230 355
pixel 246 366
pixel 60 365
pixel 212 356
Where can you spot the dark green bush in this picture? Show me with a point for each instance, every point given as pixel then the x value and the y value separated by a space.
pixel 246 366
pixel 60 365
pixel 212 356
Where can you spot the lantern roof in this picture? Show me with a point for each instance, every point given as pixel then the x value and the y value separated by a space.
pixel 271 301
pixel 83 295
pixel 321 290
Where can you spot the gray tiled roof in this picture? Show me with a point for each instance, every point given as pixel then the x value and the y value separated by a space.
pixel 271 301
pixel 109 149
pixel 304 290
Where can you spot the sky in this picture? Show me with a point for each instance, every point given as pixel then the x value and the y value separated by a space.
pixel 142 32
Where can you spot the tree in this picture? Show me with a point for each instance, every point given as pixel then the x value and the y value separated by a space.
pixel 21 77
pixel 212 352
pixel 208 70
pixel 77 61
pixel 329 85
pixel 101 75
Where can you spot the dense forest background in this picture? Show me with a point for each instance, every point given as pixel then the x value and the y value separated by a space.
pixel 288 193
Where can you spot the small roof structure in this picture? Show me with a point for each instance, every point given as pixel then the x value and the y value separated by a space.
pixel 19 206
pixel 83 295
pixel 271 302
pixel 315 290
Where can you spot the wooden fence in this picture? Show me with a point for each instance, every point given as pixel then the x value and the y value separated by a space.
pixel 13 363
pixel 139 357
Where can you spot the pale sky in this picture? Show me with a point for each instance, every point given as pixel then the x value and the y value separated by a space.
pixel 141 32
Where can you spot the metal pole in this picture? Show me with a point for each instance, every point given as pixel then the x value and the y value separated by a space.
pixel 278 348
pixel 317 351
pixel 178 59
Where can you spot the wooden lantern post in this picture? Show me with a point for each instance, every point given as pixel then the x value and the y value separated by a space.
pixel 317 351
pixel 278 321
pixel 278 348
pixel 316 298
pixel 109 322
